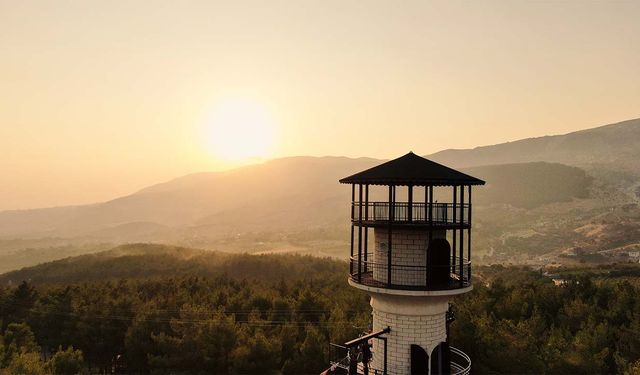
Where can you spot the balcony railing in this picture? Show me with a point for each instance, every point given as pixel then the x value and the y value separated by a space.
pixel 416 213
pixel 460 362
pixel 410 276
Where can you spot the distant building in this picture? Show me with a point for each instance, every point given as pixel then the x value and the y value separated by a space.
pixel 559 282
pixel 421 258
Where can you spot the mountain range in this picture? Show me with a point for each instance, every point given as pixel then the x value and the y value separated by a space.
pixel 295 200
pixel 614 145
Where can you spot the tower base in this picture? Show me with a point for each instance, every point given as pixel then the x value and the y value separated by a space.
pixel 418 327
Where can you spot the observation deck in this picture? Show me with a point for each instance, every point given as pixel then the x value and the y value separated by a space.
pixel 417 214
pixel 410 277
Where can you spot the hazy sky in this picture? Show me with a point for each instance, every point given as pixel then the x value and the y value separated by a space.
pixel 101 98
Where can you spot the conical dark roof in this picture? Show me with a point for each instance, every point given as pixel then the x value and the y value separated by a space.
pixel 411 169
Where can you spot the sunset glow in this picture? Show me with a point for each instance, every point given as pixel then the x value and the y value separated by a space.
pixel 101 99
pixel 240 128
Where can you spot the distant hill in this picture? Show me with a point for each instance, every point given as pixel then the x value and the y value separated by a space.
pixel 297 205
pixel 294 191
pixel 136 261
pixel 604 146
pixel 530 185
pixel 281 195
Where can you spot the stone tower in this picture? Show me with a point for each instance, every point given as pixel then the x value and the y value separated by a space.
pixel 416 214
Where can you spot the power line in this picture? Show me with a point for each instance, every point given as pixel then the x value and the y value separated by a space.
pixel 226 319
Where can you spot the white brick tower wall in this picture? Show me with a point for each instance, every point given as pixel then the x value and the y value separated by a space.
pixel 409 249
pixel 413 321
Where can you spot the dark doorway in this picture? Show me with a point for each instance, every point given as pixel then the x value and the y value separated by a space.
pixel 438 263
pixel 440 360
pixel 419 361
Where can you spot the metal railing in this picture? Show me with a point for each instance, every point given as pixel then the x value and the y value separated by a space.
pixel 436 213
pixel 411 276
pixel 460 362
pixel 338 356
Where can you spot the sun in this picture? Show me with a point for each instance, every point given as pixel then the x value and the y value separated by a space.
pixel 240 128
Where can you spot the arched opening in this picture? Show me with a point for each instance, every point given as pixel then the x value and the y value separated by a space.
pixel 438 263
pixel 419 361
pixel 440 360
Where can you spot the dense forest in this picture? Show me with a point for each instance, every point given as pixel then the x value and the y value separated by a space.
pixel 194 312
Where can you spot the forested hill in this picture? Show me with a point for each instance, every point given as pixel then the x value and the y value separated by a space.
pixel 530 185
pixel 148 308
pixel 139 261
pixel 180 310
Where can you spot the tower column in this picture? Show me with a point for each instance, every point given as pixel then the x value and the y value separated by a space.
pixel 414 321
